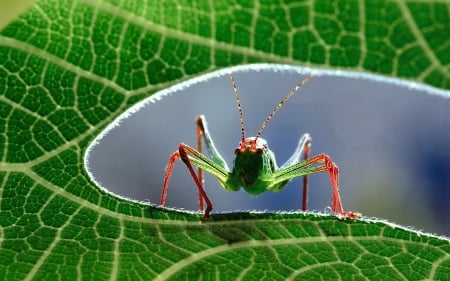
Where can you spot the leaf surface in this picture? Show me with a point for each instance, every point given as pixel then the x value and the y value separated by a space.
pixel 69 68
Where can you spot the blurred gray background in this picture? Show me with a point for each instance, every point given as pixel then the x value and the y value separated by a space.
pixel 392 145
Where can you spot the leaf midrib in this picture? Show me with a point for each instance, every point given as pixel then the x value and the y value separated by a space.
pixel 146 24
pixel 435 63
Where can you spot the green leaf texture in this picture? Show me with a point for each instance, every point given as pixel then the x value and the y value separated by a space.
pixel 68 69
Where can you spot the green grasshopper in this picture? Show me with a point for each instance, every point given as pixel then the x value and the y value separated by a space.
pixel 255 168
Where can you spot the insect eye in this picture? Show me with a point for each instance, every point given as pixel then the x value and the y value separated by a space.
pixel 259 150
pixel 237 151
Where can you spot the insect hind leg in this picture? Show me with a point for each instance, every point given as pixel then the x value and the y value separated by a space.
pixel 303 149
pixel 203 132
pixel 202 194
pixel 317 164
pixel 200 133
pixel 181 154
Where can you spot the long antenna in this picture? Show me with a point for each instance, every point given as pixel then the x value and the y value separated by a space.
pixel 238 101
pixel 282 102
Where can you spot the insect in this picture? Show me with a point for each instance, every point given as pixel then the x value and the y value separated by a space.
pixel 255 168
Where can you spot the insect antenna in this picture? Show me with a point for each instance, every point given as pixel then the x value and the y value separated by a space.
pixel 238 102
pixel 282 102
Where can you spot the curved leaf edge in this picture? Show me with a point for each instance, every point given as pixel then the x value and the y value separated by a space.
pixel 161 214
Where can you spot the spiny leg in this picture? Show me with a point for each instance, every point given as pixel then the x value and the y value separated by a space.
pixel 214 165
pixel 174 156
pixel 182 154
pixel 306 151
pixel 202 130
pixel 201 190
pixel 302 150
pixel 214 154
pixel 199 132
pixel 326 165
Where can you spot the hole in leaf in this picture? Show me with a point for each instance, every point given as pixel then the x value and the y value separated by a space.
pixel 389 140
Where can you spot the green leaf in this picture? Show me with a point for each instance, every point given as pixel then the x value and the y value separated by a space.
pixel 69 68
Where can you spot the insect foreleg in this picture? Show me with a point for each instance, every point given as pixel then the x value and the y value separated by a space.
pixel 303 149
